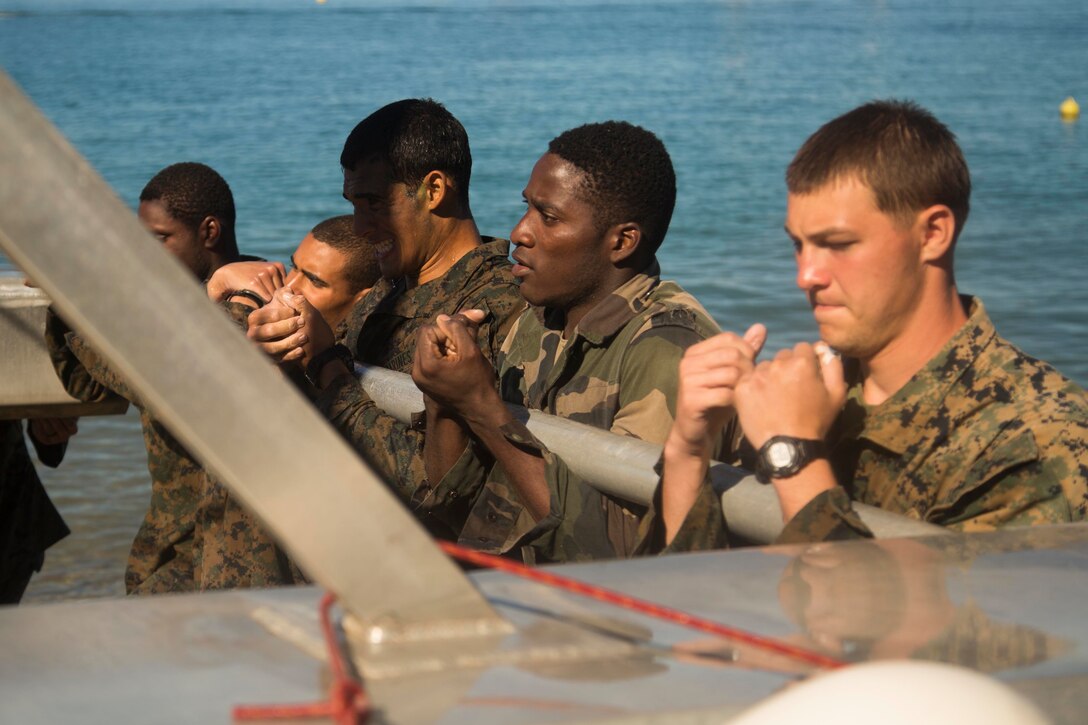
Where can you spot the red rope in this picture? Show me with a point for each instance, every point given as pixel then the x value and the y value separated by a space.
pixel 347 703
pixel 640 605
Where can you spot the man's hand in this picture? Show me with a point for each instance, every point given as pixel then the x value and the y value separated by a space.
pixel 261 278
pixel 798 393
pixel 709 372
pixel 289 329
pixel 51 431
pixel 449 367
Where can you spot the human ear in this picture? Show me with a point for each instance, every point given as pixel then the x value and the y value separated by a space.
pixel 937 227
pixel 435 188
pixel 624 239
pixel 209 232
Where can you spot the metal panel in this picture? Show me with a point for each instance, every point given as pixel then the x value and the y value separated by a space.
pixel 28 386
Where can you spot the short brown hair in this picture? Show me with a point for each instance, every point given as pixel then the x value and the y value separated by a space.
pixel 898 149
pixel 339 233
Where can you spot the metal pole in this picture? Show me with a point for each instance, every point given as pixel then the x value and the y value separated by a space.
pixel 624 467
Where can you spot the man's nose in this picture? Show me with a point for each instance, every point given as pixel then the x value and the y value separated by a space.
pixel 520 234
pixel 811 271
pixel 292 277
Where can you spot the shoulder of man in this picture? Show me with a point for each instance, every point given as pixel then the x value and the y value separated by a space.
pixel 671 306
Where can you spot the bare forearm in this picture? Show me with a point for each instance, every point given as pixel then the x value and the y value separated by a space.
pixel 446 441
pixel 795 492
pixel 683 473
pixel 524 468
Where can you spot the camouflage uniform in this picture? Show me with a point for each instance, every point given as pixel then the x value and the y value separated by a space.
pixel 29 523
pixel 231 549
pixel 161 556
pixel 617 372
pixel 381 330
pixel 980 438
pixel 168 552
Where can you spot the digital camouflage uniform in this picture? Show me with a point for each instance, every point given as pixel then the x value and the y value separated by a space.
pixel 980 438
pixel 231 549
pixel 167 553
pixel 161 556
pixel 616 372
pixel 29 523
pixel 381 330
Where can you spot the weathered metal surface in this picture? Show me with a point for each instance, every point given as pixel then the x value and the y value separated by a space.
pixel 62 225
pixel 1006 604
pixel 624 466
pixel 28 386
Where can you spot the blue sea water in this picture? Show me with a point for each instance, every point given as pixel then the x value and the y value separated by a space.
pixel 266 90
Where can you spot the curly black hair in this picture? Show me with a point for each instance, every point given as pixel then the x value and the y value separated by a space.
pixel 414 136
pixel 339 233
pixel 191 191
pixel 628 175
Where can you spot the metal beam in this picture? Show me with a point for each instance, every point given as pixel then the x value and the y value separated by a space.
pixel 63 226
pixel 624 467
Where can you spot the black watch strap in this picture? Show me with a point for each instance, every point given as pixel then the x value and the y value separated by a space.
pixel 785 456
pixel 326 356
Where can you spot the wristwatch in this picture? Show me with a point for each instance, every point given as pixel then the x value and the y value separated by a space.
pixel 784 456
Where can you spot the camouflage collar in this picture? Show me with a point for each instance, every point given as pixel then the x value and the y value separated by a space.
pixel 613 312
pixel 899 423
pixel 432 297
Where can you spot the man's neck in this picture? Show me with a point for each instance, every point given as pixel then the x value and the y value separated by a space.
pixel 573 315
pixel 925 335
pixel 458 239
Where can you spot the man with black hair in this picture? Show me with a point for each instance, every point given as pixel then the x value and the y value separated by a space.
pixel 333 268
pixel 189 207
pixel 600 345
pixel 406 173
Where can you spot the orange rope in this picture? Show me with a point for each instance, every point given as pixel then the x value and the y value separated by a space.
pixel 347 703
pixel 640 605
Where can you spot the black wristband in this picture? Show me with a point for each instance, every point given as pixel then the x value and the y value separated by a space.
pixel 249 295
pixel 323 358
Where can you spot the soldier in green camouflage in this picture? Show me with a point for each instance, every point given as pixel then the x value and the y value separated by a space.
pixel 406 168
pixel 333 269
pixel 931 414
pixel 190 208
pixel 600 345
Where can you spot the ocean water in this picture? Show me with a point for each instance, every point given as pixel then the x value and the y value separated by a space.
pixel 265 91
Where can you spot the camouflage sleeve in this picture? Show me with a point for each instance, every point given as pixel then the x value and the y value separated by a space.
pixel 391 448
pixel 395 449
pixel 74 375
pixel 703 529
pixel 584 523
pixel 828 517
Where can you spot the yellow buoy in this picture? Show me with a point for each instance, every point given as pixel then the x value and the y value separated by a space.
pixel 1070 109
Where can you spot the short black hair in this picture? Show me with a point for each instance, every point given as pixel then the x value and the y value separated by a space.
pixel 628 175
pixel 898 149
pixel 339 233
pixel 191 192
pixel 414 136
